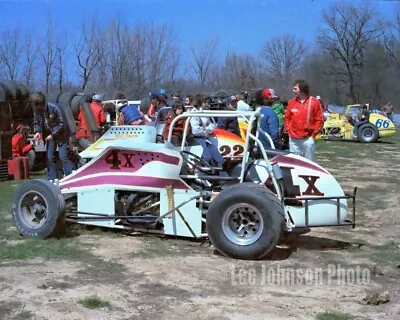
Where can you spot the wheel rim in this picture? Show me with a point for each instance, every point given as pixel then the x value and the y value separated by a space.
pixel 242 224
pixel 33 208
pixel 368 134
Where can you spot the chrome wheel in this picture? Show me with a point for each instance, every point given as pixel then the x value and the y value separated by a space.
pixel 242 224
pixel 33 207
pixel 368 134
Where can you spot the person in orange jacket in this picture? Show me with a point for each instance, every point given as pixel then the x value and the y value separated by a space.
pixel 303 120
pixel 98 110
pixel 20 146
pixel 98 114
pixel 179 127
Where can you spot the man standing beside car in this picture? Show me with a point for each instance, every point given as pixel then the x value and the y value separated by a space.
pixel 50 126
pixel 303 120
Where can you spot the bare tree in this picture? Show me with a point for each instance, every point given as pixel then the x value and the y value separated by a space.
pixel 349 28
pixel 282 56
pixel 60 64
pixel 204 56
pixel 31 55
pixel 88 51
pixel 239 71
pixel 11 48
pixel 392 38
pixel 160 51
pixel 392 45
pixel 138 59
pixel 173 65
pixel 118 41
pixel 48 54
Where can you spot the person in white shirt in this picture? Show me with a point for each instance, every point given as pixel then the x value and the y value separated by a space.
pixel 202 127
pixel 240 105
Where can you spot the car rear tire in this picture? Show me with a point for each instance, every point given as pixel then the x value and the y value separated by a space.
pixel 38 209
pixel 367 133
pixel 245 221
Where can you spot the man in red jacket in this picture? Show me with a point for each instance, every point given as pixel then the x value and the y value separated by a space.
pixel 98 115
pixel 303 120
pixel 98 110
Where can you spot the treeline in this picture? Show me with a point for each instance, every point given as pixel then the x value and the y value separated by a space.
pixel 354 59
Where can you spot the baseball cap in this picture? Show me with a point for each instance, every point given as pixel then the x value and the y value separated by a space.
pixel 318 97
pixel 158 92
pixel 268 93
pixel 96 97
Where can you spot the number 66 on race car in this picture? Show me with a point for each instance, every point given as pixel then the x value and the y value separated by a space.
pixel 141 185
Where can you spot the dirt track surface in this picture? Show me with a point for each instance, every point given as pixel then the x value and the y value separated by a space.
pixel 147 277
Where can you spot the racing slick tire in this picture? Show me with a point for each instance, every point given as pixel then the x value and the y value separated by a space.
pixel 53 97
pixel 10 88
pixel 38 209
pixel 245 221
pixel 3 94
pixel 64 101
pixel 367 133
pixel 23 89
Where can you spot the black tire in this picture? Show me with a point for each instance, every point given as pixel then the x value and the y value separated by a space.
pixel 65 99
pixel 262 206
pixel 75 106
pixel 88 114
pixel 367 133
pixel 53 97
pixel 3 94
pixel 10 88
pixel 64 102
pixel 51 197
pixel 23 89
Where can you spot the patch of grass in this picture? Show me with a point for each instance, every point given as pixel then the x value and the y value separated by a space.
pixel 331 316
pixel 7 189
pixel 47 249
pixel 25 315
pixel 94 302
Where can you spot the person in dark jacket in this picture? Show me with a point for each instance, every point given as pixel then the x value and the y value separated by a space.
pixel 179 127
pixel 230 123
pixel 49 123
pixel 361 118
pixel 269 122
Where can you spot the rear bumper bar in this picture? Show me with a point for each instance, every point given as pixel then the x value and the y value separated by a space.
pixel 347 222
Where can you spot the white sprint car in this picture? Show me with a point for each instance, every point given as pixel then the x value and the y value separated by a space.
pixel 131 181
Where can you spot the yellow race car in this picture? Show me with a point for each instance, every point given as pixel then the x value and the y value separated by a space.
pixel 340 126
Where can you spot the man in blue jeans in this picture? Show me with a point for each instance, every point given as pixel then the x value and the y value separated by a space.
pixel 49 125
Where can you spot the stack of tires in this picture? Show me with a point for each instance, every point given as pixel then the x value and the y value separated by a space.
pixel 14 108
pixel 71 103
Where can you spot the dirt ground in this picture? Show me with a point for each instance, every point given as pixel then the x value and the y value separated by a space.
pixel 148 277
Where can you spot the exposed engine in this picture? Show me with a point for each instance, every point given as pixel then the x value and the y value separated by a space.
pixel 135 204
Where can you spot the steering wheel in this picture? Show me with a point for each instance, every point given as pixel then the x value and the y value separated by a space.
pixel 196 162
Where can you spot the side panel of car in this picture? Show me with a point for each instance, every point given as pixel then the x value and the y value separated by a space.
pixel 302 178
pixel 189 214
pixel 384 125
